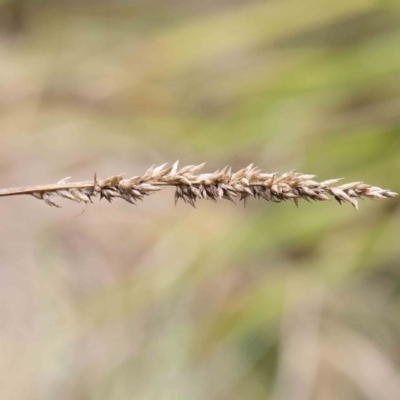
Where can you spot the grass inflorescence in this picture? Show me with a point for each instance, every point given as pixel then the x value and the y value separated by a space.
pixel 191 185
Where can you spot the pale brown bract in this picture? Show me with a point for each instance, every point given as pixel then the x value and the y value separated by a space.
pixel 191 185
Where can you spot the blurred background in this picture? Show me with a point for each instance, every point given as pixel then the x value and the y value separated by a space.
pixel 219 302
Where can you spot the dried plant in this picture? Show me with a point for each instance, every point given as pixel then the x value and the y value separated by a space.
pixel 221 184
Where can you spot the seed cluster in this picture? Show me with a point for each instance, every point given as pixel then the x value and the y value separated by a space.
pixel 221 184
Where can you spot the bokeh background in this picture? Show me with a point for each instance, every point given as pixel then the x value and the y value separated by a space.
pixel 218 302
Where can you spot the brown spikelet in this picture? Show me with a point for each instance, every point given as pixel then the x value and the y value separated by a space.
pixel 190 185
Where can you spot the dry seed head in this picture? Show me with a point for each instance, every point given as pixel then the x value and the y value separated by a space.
pixel 221 184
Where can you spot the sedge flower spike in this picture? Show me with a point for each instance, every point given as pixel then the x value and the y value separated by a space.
pixel 190 186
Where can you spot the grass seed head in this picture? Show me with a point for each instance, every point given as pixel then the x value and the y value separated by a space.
pixel 191 185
